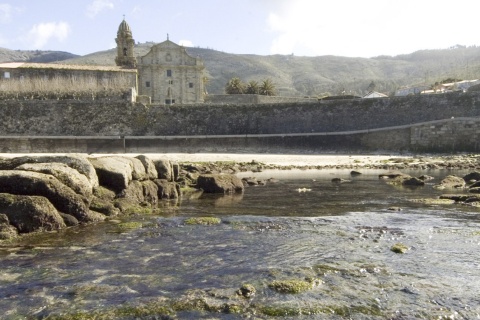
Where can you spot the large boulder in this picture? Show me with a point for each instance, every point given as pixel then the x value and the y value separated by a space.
pixel 30 213
pixel 149 166
pixel 68 176
pixel 472 176
pixel 62 197
pixel 451 182
pixel 112 172
pixel 74 161
pixel 220 183
pixel 167 189
pixel 165 169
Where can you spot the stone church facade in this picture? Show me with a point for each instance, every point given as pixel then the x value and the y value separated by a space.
pixel 167 73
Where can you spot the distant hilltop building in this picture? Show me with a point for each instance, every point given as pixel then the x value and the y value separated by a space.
pixel 165 75
pixel 125 44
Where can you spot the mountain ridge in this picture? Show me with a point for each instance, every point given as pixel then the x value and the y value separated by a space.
pixel 301 75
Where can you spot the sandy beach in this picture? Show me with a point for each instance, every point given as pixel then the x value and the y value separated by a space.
pixel 269 159
pixel 309 160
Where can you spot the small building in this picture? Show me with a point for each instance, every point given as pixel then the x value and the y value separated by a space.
pixel 374 94
pixel 168 75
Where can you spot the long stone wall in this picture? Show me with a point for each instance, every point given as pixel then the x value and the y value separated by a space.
pixel 397 124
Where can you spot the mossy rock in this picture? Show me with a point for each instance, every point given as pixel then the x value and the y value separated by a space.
pixel 207 221
pixel 246 290
pixel 399 248
pixel 128 226
pixel 291 286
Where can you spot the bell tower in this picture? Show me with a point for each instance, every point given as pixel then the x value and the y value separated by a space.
pixel 125 45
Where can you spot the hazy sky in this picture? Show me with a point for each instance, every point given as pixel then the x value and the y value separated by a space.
pixel 353 28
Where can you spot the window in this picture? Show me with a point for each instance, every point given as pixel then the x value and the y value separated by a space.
pixel 190 84
pixel 6 75
pixel 170 81
pixel 147 84
pixel 169 101
pixel 125 52
pixel 169 73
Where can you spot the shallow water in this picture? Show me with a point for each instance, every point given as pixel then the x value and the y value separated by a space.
pixel 338 234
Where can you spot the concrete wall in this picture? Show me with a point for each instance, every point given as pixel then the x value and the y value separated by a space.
pixel 420 123
pixel 223 99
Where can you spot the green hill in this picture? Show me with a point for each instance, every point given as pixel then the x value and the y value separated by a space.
pixel 314 76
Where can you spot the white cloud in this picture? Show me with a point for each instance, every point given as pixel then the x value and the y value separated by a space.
pixel 367 28
pixel 7 11
pixel 40 34
pixel 98 6
pixel 185 43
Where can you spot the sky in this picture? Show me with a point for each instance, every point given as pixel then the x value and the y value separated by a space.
pixel 350 28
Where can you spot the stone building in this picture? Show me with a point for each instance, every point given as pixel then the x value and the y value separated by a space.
pixel 125 44
pixel 169 75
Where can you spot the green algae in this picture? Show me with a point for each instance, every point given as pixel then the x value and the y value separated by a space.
pixel 206 221
pixel 291 286
pixel 399 248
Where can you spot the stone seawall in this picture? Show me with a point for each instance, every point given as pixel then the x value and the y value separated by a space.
pixel 441 123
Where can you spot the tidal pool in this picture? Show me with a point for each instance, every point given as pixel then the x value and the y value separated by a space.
pixel 310 248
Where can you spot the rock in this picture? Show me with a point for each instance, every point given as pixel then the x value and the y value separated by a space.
pixel 246 290
pixel 112 172
pixel 138 169
pixel 406 180
pixel 176 171
pixel 472 176
pixel 69 220
pixel 165 169
pixel 474 190
pixel 150 191
pixel 30 213
pixel 7 231
pixel 149 166
pixel 354 173
pixel 167 189
pixel 391 175
pixel 340 180
pixel 456 197
pixel 220 183
pixel 412 181
pixel 68 176
pixel 134 192
pixel 29 183
pixel 451 182
pixel 475 185
pixel 426 177
pixel 250 181
pixel 74 161
pixel 399 248
pixel 394 209
pixel 103 206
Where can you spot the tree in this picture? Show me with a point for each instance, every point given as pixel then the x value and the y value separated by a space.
pixel 267 88
pixel 252 87
pixel 371 87
pixel 235 86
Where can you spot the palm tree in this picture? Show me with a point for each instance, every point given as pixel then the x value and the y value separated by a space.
pixel 267 88
pixel 252 87
pixel 235 86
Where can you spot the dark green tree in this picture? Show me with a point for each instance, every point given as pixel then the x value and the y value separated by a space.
pixel 267 88
pixel 235 86
pixel 252 87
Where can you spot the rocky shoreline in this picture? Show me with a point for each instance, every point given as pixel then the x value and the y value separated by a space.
pixel 51 192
